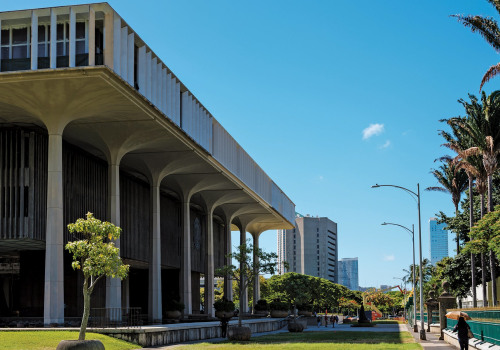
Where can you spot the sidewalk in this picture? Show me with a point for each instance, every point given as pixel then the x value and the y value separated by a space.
pixel 432 341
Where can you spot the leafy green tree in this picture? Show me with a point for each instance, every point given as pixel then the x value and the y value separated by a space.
pixel 265 264
pixel 96 255
pixel 292 287
pixel 488 28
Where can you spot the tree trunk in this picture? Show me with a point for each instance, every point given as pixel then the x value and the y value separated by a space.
pixel 472 256
pixel 490 193
pixel 483 261
pixel 86 309
pixel 242 292
pixel 458 237
pixel 493 279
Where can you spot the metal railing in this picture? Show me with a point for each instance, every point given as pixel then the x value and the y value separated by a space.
pixel 114 317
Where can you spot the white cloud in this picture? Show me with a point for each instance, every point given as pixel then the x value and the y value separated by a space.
pixel 386 144
pixel 320 178
pixel 389 258
pixel 373 130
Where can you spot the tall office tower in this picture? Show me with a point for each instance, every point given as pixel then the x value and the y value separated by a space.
pixel 311 248
pixel 439 240
pixel 348 273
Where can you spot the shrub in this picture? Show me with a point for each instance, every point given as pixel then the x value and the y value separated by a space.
pixel 174 305
pixel 305 307
pixel 224 305
pixel 261 305
pixel 278 305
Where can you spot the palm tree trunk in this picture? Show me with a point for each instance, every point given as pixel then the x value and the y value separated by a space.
pixel 492 255
pixel 458 237
pixel 472 256
pixel 483 262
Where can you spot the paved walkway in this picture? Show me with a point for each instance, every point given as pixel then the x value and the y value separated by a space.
pixel 432 342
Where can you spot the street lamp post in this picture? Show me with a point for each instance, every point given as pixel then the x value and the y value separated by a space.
pixel 404 296
pixel 417 196
pixel 412 232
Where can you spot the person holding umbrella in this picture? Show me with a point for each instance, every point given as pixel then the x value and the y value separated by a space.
pixel 463 330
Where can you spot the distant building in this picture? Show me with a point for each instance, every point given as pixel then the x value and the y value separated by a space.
pixel 348 273
pixel 384 286
pixel 438 241
pixel 310 248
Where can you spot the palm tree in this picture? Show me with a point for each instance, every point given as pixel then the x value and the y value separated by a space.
pixel 488 28
pixel 453 181
pixel 483 127
pixel 459 141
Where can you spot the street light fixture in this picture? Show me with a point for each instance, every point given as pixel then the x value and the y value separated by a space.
pixel 412 233
pixel 417 196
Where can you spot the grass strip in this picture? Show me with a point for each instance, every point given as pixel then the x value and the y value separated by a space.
pixel 48 340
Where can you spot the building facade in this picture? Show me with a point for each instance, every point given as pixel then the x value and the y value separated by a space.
pixel 348 273
pixel 310 248
pixel 438 240
pixel 91 119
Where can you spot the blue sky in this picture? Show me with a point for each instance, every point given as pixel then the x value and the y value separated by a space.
pixel 297 82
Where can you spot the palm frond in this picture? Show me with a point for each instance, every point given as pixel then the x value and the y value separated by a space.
pixel 490 73
pixel 487 27
pixel 496 4
pixel 437 189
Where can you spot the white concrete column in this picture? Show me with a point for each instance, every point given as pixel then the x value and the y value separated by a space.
pixel 34 40
pixel 54 258
pixel 141 70
pixel 124 53
pixel 72 37
pixel 256 281
pixel 113 285
pixel 53 39
pixel 155 312
pixel 108 39
pixel 186 291
pixel 130 58
pixel 244 299
pixel 228 281
pixel 209 276
pixel 117 25
pixel 91 36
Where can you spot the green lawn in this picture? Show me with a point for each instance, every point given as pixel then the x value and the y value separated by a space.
pixel 337 340
pixel 48 340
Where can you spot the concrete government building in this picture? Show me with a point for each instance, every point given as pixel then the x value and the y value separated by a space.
pixel 91 119
pixel 311 248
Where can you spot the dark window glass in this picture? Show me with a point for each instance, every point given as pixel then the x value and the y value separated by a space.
pixel 80 30
pixel 41 34
pixel 60 31
pixel 5 53
pixel 60 49
pixel 19 51
pixel 19 36
pixel 80 47
pixel 5 37
pixel 41 50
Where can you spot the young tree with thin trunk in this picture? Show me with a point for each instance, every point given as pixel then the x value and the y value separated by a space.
pixel 97 257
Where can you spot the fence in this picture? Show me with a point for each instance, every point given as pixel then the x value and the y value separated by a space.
pixel 110 317
pixel 435 317
pixel 484 324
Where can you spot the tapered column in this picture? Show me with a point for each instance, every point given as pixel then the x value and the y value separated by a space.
pixel 209 276
pixel 54 271
pixel 186 260
pixel 244 298
pixel 256 281
pixel 228 282
pixel 113 285
pixel 155 312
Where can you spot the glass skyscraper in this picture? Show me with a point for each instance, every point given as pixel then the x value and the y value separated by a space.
pixel 348 273
pixel 439 240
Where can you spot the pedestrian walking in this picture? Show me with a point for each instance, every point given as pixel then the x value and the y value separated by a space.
pixel 223 323
pixel 318 319
pixel 336 319
pixel 463 333
pixel 332 320
pixel 326 319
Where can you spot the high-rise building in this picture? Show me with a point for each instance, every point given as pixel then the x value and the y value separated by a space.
pixel 348 273
pixel 439 240
pixel 311 248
